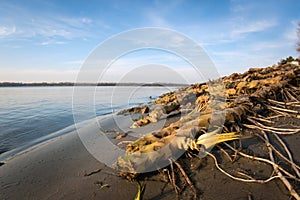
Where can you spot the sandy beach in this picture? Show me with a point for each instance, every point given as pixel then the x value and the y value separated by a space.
pixel 63 169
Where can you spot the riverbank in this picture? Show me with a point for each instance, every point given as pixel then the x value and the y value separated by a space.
pixel 262 161
pixel 62 168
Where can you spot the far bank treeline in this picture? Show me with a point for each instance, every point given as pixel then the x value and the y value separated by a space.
pixel 45 84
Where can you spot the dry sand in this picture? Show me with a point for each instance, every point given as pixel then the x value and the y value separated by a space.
pixel 58 169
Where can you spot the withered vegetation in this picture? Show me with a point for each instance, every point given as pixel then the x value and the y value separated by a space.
pixel 235 107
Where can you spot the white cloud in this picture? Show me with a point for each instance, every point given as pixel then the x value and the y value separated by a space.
pixel 21 22
pixel 63 27
pixel 291 32
pixel 252 27
pixel 51 32
pixel 291 35
pixel 75 21
pixel 6 31
pixel 267 46
pixel 248 17
pixel 50 42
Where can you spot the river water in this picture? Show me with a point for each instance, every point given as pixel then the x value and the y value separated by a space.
pixel 31 115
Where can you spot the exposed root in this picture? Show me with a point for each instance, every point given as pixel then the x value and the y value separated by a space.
pixel 284 110
pixel 249 180
pixel 260 118
pixel 294 166
pixel 276 169
pixel 280 131
pixel 290 161
pixel 225 152
pixel 264 160
pixel 187 179
pixel 173 180
pixel 255 102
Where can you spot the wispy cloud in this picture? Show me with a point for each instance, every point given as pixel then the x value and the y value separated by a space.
pixel 26 24
pixel 77 22
pixel 238 34
pixel 229 31
pixel 6 31
pixel 253 27
pixel 67 28
pixel 250 17
pixel 267 46
pixel 51 42
pixel 291 32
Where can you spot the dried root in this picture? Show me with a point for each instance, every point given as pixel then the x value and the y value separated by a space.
pixel 278 172
pixel 187 179
pixel 255 103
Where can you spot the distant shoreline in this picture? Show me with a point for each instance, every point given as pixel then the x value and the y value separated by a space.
pixel 44 84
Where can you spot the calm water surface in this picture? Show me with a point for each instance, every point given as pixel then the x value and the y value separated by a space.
pixel 29 114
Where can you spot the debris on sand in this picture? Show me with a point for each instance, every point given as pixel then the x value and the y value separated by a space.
pixel 255 104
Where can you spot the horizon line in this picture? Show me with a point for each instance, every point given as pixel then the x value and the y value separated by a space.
pixel 20 84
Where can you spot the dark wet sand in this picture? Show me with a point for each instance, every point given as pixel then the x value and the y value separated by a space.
pixel 57 169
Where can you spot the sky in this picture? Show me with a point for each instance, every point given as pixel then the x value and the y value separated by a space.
pixel 49 40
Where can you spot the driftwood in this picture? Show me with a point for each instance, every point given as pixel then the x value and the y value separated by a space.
pixel 244 105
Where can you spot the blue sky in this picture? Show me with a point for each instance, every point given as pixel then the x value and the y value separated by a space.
pixel 48 40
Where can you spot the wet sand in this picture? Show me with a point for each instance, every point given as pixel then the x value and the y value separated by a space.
pixel 62 168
